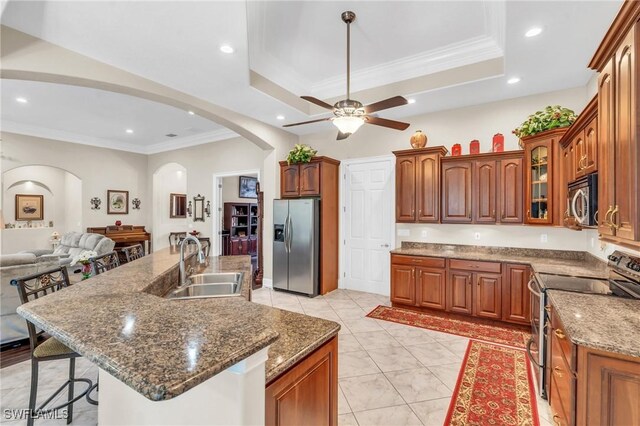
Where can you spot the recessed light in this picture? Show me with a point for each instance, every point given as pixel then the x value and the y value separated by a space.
pixel 533 32
pixel 191 112
pixel 22 100
pixel 411 101
pixel 129 131
pixel 280 117
pixel 513 80
pixel 225 48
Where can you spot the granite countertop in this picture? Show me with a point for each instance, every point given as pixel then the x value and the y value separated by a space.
pixel 576 263
pixel 607 323
pixel 160 347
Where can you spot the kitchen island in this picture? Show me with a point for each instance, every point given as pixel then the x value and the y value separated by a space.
pixel 163 348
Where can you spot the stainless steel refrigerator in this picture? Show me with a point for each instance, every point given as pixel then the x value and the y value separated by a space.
pixel 296 239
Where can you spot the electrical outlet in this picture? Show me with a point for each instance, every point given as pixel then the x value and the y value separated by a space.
pixel 423 234
pixel 593 242
pixel 403 232
pixel 476 236
pixel 543 238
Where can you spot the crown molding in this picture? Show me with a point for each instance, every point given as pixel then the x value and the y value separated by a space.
pixel 64 136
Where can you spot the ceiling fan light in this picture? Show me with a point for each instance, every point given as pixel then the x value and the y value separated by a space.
pixel 348 125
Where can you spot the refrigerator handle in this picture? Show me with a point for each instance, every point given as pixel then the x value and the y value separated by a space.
pixel 287 234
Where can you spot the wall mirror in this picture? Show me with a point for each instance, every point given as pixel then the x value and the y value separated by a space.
pixel 198 208
pixel 178 206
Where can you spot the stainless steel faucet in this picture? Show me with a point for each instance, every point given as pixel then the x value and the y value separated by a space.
pixel 183 277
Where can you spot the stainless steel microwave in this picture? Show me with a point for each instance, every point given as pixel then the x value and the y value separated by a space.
pixel 582 200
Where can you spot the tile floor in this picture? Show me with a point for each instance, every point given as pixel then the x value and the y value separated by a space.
pixel 389 374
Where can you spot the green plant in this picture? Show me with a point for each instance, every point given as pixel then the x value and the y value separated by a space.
pixel 552 117
pixel 301 154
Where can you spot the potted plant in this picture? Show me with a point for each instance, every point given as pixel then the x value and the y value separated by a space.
pixel 301 154
pixel 552 117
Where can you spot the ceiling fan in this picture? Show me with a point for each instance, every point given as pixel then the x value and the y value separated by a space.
pixel 349 114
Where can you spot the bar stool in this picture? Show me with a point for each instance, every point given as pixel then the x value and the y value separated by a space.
pixel 34 287
pixel 104 263
pixel 134 252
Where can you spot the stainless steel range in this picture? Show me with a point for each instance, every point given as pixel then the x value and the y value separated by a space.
pixel 623 281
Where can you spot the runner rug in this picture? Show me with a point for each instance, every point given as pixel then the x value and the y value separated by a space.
pixel 495 387
pixel 489 333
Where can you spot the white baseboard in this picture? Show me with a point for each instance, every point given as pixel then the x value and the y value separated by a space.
pixel 267 282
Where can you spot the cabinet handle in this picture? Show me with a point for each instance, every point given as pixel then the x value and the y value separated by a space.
pixel 419 212
pixel 413 273
pixel 559 333
pixel 558 371
pixel 547 308
pixel 613 222
pixel 528 214
pixel 556 420
pixel 493 215
pixel 606 216
pixel 469 215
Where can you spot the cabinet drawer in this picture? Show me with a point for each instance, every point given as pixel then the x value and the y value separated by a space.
pixel 558 411
pixel 430 262
pixel 559 337
pixel 474 265
pixel 563 377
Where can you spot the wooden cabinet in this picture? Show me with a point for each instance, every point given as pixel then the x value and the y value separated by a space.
pixel 456 192
pixel 516 298
pixel 483 188
pixel 578 157
pixel 488 296
pixel 618 129
pixel 309 179
pixel 608 389
pixel 459 298
pixel 403 284
pixel 484 191
pixel 542 178
pixel 318 178
pixel 418 281
pixel 431 288
pixel 418 184
pixel 289 180
pixel 510 190
pixel 306 393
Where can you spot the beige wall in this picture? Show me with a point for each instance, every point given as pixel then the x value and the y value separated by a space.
pixel 230 190
pixel 99 169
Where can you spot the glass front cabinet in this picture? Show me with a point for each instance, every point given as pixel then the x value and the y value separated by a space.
pixel 542 195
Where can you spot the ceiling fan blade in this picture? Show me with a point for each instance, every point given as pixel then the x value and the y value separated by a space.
pixel 392 124
pixel 307 122
pixel 386 104
pixel 342 135
pixel 317 101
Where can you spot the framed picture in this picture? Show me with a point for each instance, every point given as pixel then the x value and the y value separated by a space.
pixel 29 207
pixel 117 202
pixel 247 187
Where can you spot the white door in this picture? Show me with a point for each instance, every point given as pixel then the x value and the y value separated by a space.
pixel 369 226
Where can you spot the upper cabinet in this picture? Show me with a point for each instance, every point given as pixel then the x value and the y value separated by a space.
pixel 483 188
pixel 304 180
pixel 418 184
pixel 542 158
pixel 618 129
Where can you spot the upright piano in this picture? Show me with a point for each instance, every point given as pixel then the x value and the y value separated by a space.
pixel 126 235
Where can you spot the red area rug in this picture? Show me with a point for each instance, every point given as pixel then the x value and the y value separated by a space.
pixel 489 333
pixel 495 387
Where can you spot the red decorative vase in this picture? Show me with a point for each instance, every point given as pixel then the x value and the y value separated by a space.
pixel 498 142
pixel 474 147
pixel 118 222
pixel 456 150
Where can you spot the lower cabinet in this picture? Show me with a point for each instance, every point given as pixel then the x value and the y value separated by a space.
pixel 308 392
pixel 459 295
pixel 484 289
pixel 516 298
pixel 431 288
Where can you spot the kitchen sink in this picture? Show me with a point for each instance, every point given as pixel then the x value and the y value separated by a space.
pixel 209 285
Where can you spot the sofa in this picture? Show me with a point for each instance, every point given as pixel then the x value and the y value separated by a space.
pixel 12 326
pixel 72 244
